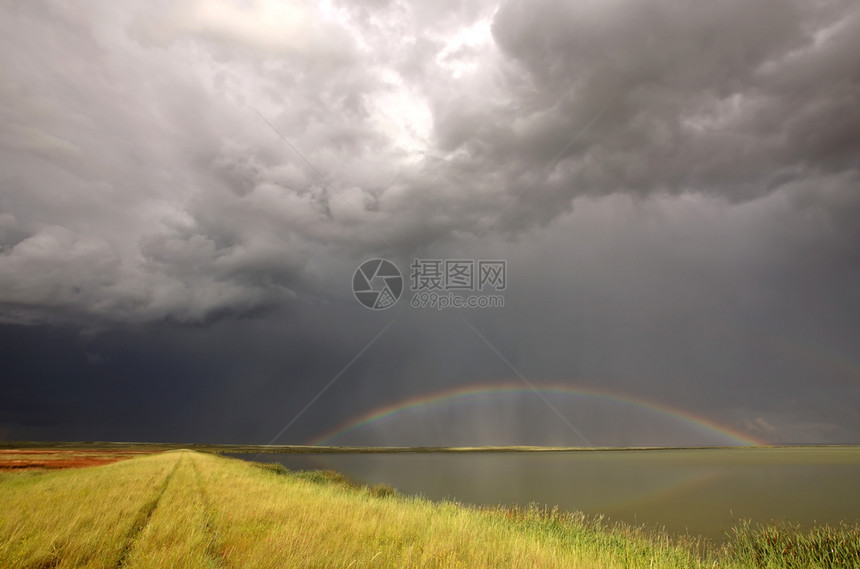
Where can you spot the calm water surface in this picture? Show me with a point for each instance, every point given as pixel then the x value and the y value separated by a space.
pixel 701 492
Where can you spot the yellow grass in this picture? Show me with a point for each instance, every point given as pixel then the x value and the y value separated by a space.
pixel 77 518
pixel 189 509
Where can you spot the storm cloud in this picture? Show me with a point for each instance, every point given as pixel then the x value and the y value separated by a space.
pixel 675 188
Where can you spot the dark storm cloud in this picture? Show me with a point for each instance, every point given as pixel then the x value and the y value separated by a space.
pixel 136 169
pixel 727 98
pixel 675 188
pixel 122 185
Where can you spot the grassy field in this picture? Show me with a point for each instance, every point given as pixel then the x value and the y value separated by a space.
pixel 190 509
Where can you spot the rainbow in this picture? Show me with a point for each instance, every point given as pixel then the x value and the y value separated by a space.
pixel 480 390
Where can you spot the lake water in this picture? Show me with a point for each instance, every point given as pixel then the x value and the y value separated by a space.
pixel 699 491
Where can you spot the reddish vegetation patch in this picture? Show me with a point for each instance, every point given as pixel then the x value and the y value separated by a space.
pixel 15 459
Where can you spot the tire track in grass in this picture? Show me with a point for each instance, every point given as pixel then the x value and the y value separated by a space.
pixel 143 517
pixel 212 549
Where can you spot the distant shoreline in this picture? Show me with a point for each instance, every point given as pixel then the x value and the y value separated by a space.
pixel 320 449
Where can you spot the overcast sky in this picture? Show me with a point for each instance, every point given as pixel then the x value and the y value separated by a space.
pixel 187 187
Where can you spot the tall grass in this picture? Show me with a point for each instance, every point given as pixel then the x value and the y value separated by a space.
pixel 792 547
pixel 78 518
pixel 188 509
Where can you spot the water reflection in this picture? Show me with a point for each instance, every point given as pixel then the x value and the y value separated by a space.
pixel 701 492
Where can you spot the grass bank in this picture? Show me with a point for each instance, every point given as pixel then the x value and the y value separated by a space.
pixel 190 509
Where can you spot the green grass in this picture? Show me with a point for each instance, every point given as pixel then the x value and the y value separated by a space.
pixel 190 509
pixel 793 547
